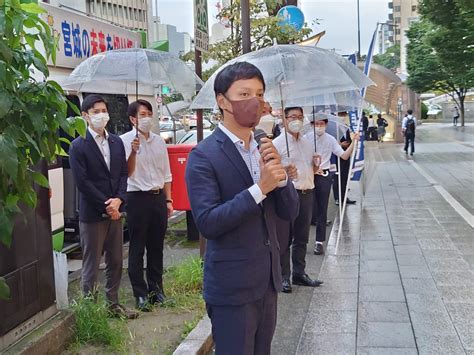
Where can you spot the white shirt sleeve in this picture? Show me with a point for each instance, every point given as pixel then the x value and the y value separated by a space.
pixel 257 194
pixel 336 148
pixel 126 145
pixel 404 123
pixel 168 176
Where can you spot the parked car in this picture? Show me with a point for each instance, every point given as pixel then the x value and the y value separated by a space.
pixel 191 137
pixel 167 131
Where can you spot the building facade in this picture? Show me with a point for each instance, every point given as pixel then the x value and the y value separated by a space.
pixel 385 37
pixel 180 43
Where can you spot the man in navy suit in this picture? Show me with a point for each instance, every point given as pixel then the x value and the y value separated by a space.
pixel 100 171
pixel 236 191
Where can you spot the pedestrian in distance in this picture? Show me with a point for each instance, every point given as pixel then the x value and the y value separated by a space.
pixel 372 129
pixel 455 115
pixel 324 146
pixel 381 125
pixel 301 171
pixel 100 172
pixel 365 126
pixel 236 192
pixel 408 130
pixel 149 204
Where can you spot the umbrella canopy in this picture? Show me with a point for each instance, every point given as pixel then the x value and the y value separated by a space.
pixel 334 102
pixel 119 71
pixel 292 72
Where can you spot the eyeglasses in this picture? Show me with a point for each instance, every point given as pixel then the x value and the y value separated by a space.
pixel 295 117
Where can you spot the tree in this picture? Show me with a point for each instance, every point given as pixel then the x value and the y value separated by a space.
pixel 264 29
pixel 274 6
pixel 440 55
pixel 390 59
pixel 31 111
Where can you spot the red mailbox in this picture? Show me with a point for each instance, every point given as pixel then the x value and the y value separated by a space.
pixel 178 155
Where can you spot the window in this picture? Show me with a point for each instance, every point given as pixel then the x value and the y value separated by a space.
pixel 397 31
pixel 397 19
pixel 397 8
pixel 413 8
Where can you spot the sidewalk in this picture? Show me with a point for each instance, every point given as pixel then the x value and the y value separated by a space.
pixel 397 282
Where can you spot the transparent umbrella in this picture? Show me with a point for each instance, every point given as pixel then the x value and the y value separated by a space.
pixel 133 71
pixel 292 72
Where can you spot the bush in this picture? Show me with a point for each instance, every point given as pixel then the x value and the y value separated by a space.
pixel 424 111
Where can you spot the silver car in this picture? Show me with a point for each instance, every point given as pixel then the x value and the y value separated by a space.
pixel 167 131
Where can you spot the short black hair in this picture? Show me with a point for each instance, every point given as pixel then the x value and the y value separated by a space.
pixel 410 112
pixel 237 71
pixel 90 101
pixel 288 109
pixel 379 115
pixel 371 116
pixel 135 106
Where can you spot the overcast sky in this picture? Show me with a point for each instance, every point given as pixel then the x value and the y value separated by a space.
pixel 337 17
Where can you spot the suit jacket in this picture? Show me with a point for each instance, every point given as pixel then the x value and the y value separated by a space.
pixel 242 252
pixel 95 182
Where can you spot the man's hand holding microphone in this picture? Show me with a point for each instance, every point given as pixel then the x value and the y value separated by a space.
pixel 272 172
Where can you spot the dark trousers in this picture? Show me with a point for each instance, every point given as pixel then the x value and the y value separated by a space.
pixel 107 237
pixel 147 220
pixel 345 164
pixel 299 238
pixel 320 205
pixel 410 140
pixel 245 329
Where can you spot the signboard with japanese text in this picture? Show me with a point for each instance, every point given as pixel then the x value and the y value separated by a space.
pixel 201 26
pixel 80 37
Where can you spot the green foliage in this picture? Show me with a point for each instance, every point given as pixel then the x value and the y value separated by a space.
pixel 4 290
pixel 390 59
pixel 440 55
pixel 93 325
pixel 32 109
pixel 264 30
pixel 424 111
pixel 183 284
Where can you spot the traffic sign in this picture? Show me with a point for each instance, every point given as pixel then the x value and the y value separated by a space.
pixel 159 100
pixel 201 26
pixel 291 16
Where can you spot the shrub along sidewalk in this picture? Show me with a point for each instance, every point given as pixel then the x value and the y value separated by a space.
pixel 159 331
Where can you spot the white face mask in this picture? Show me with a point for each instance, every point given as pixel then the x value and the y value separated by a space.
pixel 99 120
pixel 144 124
pixel 320 130
pixel 295 126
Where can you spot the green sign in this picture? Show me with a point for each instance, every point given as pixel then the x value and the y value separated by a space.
pixel 201 26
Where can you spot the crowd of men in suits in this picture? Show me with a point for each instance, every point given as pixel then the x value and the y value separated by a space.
pixel 253 201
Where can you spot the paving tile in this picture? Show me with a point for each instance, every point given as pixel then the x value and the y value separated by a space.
pixel 436 244
pixel 415 272
pixel 457 294
pixel 447 278
pixel 378 265
pixel 408 250
pixel 404 240
pixel 410 260
pixel 379 334
pixel 338 285
pixel 343 260
pixel 442 254
pixel 338 272
pixel 334 301
pixel 380 278
pixel 383 312
pixel 425 303
pixel 458 264
pixel 333 343
pixel 381 294
pixel 342 250
pixel 383 254
pixel 322 321
pixel 439 344
pixel 427 323
pixel 376 245
pixel 420 286
pixel 386 351
pixel 378 236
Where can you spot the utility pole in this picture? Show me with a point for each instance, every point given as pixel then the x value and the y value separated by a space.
pixel 245 19
pixel 358 31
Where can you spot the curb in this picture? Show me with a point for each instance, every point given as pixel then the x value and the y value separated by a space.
pixel 199 341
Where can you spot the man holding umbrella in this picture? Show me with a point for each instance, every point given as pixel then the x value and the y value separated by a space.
pixel 297 152
pixel 149 204
pixel 324 146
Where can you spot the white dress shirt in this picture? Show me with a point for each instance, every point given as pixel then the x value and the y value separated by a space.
pixel 251 158
pixel 152 169
pixel 103 144
pixel 301 154
pixel 325 146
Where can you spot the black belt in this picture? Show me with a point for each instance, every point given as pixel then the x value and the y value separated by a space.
pixel 304 192
pixel 151 192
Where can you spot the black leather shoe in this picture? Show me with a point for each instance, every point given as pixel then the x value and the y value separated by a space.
pixel 142 304
pixel 318 249
pixel 351 202
pixel 305 280
pixel 313 223
pixel 286 286
pixel 157 297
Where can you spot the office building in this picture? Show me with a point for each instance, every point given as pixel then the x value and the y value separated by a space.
pixel 178 42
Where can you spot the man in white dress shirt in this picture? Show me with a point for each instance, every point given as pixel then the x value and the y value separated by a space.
pixel 149 204
pixel 301 159
pixel 325 146
pixel 408 130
